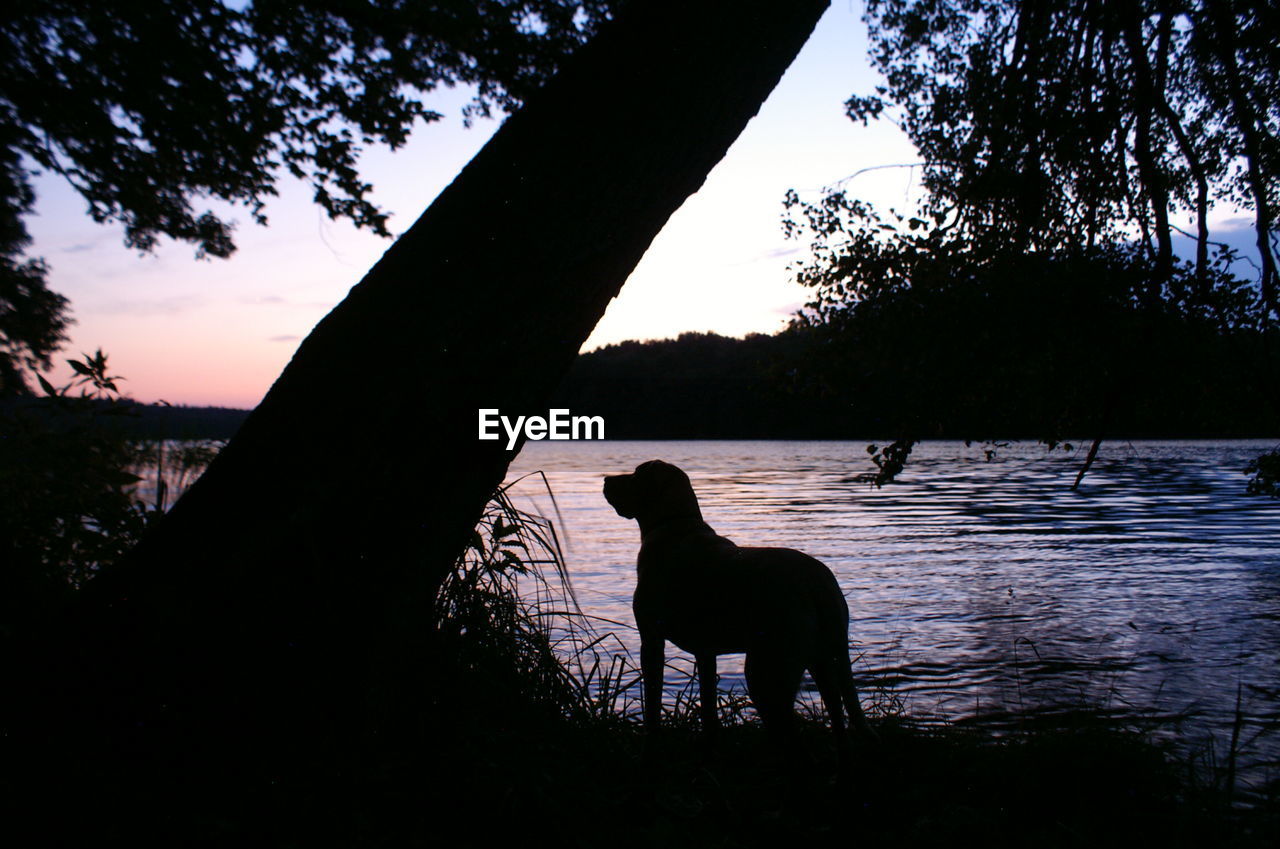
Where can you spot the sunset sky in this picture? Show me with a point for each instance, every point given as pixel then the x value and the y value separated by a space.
pixel 219 331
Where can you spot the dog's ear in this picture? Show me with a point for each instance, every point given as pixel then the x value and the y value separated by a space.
pixel 659 474
pixel 659 470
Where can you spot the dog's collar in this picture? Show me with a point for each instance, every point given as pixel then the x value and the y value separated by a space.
pixel 674 525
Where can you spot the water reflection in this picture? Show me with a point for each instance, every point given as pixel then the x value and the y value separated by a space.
pixel 982 587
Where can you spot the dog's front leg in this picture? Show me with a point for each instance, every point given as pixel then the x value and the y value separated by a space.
pixel 708 704
pixel 653 661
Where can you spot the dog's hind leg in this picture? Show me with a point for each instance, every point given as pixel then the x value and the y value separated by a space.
pixel 773 677
pixel 708 703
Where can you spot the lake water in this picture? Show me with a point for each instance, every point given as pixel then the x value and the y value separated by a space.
pixel 985 589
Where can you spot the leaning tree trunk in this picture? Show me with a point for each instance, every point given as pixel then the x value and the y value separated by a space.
pixel 259 604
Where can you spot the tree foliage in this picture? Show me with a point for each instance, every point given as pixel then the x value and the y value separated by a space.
pixel 33 319
pixel 1065 145
pixel 146 107
pixel 67 484
pixel 1063 125
pixel 157 112
pixel 1266 475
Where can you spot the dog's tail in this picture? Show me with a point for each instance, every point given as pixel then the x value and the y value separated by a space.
pixel 849 697
pixel 833 613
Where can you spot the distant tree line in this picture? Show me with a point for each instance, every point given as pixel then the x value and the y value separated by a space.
pixel 700 386
pixel 138 421
pixel 972 367
pixel 159 421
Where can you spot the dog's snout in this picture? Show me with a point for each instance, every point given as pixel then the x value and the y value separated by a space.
pixel 617 491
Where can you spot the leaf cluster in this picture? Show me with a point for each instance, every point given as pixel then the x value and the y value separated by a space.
pixel 1063 142
pixel 33 320
pixel 1266 474
pixel 65 486
pixel 68 476
pixel 862 260
pixel 167 116
pixel 1066 124
pixel 147 107
pixel 944 334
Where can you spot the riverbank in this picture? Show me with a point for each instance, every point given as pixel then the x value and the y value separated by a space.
pixel 489 765
pixel 508 730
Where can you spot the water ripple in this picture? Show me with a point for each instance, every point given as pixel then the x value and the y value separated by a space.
pixel 990 588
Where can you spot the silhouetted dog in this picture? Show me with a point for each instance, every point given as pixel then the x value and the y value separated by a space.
pixel 710 597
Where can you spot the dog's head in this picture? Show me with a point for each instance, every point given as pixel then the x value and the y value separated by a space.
pixel 654 491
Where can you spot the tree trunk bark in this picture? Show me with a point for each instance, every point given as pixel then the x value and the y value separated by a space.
pixel 1153 177
pixel 1224 43
pixel 313 545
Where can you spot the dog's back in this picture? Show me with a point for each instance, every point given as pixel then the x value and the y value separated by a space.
pixel 715 596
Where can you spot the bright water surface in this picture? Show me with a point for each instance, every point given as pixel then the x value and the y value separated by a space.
pixel 987 588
